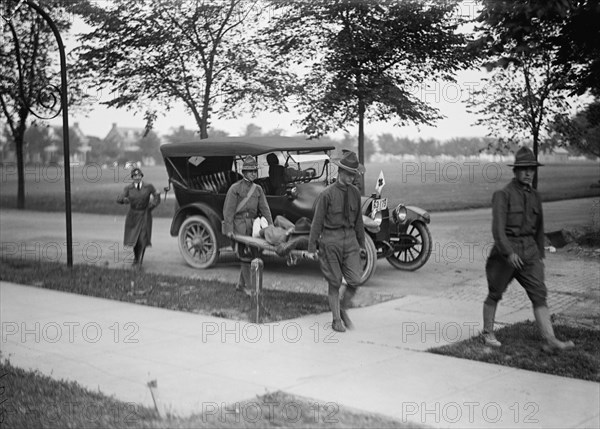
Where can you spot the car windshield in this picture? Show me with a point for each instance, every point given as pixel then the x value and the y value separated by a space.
pixel 308 157
pixel 304 161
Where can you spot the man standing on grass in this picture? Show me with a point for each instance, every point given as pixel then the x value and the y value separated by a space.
pixel 244 202
pixel 518 231
pixel 338 228
pixel 142 199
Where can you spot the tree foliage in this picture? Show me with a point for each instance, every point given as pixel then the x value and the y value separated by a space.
pixel 518 104
pixel 153 53
pixel 520 41
pixel 582 131
pixel 29 73
pixel 570 29
pixel 374 53
pixel 149 145
pixel 361 61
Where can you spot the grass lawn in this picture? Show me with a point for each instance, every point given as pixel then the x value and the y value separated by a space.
pixel 176 293
pixel 32 400
pixel 437 186
pixel 434 186
pixel 521 348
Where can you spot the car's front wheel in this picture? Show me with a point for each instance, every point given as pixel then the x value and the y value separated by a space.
pixel 198 242
pixel 411 248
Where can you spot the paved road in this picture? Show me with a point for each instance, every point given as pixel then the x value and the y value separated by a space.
pixel 461 241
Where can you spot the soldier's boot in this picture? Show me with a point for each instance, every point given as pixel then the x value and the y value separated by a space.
pixel 244 280
pixel 345 304
pixel 334 305
pixel 553 344
pixel 489 316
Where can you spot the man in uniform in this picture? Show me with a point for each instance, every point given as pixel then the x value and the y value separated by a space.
pixel 142 199
pixel 518 231
pixel 338 228
pixel 243 203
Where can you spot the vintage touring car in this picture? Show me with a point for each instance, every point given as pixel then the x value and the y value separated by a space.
pixel 201 172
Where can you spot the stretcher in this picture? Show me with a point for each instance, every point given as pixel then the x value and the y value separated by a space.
pixel 292 250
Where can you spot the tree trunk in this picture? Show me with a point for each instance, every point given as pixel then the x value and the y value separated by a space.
pixel 536 137
pixel 20 166
pixel 205 109
pixel 361 141
pixel 204 123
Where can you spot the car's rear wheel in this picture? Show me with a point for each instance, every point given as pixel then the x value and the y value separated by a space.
pixel 198 242
pixel 368 262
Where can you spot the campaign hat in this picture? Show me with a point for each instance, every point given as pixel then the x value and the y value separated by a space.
pixel 249 164
pixel 525 158
pixel 349 162
pixel 302 226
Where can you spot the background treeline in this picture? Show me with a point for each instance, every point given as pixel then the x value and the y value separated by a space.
pixel 37 139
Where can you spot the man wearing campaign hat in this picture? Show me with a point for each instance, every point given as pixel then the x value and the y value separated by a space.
pixel 337 228
pixel 518 231
pixel 142 199
pixel 244 202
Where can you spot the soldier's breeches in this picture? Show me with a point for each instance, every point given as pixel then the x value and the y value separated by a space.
pixel 500 273
pixel 339 257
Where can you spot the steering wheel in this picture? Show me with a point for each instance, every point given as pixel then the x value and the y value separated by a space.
pixel 309 174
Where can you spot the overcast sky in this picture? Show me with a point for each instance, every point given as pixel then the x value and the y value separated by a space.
pixel 449 98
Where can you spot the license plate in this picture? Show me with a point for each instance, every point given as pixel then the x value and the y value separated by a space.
pixel 379 205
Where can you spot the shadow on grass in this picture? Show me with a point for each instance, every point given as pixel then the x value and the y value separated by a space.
pixel 210 297
pixel 521 348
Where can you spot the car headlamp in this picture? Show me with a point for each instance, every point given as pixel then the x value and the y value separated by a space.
pixel 378 218
pixel 399 213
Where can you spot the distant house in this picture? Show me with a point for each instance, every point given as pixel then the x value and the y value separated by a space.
pixel 79 145
pixel 125 138
pixel 81 152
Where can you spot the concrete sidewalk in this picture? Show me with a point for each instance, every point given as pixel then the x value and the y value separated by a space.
pixel 200 363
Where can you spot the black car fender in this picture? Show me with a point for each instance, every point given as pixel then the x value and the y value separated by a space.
pixel 413 214
pixel 195 209
pixel 417 213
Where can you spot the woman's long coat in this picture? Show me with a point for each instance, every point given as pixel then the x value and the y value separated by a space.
pixel 138 223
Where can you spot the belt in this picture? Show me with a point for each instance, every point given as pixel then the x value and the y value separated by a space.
pixel 244 215
pixel 520 237
pixel 337 228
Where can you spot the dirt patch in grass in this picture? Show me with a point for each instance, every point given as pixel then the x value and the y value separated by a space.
pixel 521 348
pixel 209 297
pixel 33 400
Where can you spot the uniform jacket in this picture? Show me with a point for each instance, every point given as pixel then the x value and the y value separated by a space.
pixel 517 212
pixel 329 213
pixel 240 222
pixel 139 216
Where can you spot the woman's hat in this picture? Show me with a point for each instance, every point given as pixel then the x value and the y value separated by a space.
pixel 349 162
pixel 302 226
pixel 136 171
pixel 525 158
pixel 250 164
